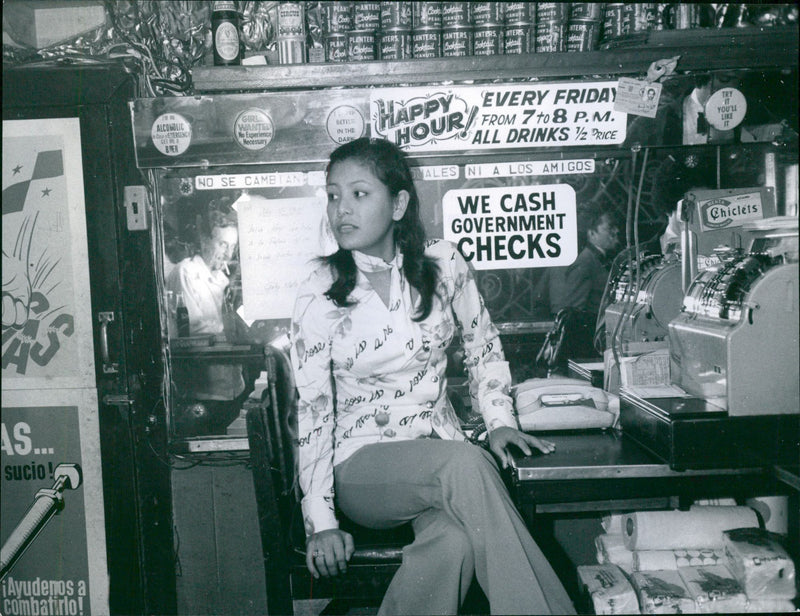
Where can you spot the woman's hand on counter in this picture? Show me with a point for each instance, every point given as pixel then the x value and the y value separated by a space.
pixel 328 551
pixel 501 438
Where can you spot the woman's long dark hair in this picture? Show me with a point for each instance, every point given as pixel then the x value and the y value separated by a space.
pixel 389 165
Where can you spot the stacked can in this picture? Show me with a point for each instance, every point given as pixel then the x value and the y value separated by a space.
pixel 291 35
pixel 552 20
pixel 488 20
pixel 361 40
pixel 614 23
pixel 338 21
pixel 640 17
pixel 519 19
pixel 457 31
pixel 585 23
pixel 683 16
pixel 395 34
pixel 426 38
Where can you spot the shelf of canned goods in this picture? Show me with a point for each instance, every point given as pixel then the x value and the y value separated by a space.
pixel 701 49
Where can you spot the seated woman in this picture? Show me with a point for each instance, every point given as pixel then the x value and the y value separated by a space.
pixel 377 435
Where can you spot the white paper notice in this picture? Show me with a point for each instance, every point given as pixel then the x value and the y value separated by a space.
pixel 648 370
pixel 513 227
pixel 278 241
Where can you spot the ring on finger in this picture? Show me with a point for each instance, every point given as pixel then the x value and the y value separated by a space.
pixel 316 553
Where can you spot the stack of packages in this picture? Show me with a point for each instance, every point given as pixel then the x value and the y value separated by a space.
pixel 763 568
pixel 710 559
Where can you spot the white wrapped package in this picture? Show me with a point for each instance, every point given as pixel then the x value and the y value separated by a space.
pixel 612 523
pixel 662 592
pixel 716 502
pixel 653 560
pixel 760 563
pixel 770 606
pixel 611 549
pixel 714 589
pixel 609 588
pixel 700 527
pixel 600 549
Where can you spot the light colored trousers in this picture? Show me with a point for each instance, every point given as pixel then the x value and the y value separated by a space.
pixel 464 523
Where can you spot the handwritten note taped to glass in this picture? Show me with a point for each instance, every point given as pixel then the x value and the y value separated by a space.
pixel 278 241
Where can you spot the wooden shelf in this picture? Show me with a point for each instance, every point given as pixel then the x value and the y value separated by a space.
pixel 699 50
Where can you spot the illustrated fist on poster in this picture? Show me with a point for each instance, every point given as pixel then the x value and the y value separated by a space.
pixel 16 293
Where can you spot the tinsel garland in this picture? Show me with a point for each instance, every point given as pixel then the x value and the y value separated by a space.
pixel 159 40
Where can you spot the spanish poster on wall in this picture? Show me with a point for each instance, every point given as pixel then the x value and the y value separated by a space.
pixel 63 572
pixel 49 392
pixel 47 329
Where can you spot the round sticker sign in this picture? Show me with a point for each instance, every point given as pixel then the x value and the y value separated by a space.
pixel 725 109
pixel 253 129
pixel 171 134
pixel 344 124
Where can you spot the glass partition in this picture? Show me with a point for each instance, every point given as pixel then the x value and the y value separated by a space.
pixel 236 233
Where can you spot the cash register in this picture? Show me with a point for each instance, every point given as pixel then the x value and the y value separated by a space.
pixel 646 294
pixel 642 312
pixel 735 352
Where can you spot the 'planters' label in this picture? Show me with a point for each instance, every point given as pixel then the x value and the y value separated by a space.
pixel 731 212
pixel 171 134
pixel 253 129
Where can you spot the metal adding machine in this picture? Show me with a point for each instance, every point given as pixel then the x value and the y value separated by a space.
pixel 640 311
pixel 735 342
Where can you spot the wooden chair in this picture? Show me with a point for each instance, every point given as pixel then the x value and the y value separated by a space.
pixel 272 431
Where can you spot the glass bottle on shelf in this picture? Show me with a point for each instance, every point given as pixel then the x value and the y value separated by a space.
pixel 182 317
pixel 226 34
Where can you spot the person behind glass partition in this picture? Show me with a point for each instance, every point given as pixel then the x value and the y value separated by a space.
pixel 576 291
pixel 213 391
pixel 202 279
pixel 377 435
pixel 581 284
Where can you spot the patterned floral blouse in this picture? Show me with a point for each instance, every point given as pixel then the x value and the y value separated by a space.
pixel 389 371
